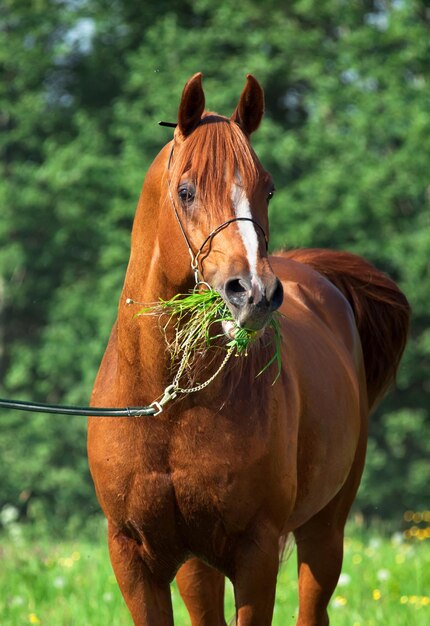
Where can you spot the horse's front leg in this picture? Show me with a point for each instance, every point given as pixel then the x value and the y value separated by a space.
pixel 255 573
pixel 149 601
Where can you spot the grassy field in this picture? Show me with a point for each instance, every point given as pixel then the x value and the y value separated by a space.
pixel 384 581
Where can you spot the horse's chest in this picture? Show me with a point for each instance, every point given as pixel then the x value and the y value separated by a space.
pixel 215 483
pixel 221 472
pixel 193 487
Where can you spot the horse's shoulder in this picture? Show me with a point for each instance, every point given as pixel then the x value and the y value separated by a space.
pixel 308 294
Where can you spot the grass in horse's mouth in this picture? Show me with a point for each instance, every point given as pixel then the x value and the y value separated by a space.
pixel 196 318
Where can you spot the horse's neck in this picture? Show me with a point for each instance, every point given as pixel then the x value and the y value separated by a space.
pixel 143 364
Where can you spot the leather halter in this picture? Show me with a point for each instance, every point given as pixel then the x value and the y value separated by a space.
pixel 215 231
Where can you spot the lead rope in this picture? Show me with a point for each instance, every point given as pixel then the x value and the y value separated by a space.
pixel 155 408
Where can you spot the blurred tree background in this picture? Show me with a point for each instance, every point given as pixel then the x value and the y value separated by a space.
pixel 346 137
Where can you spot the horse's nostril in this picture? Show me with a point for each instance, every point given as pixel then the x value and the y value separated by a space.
pixel 237 290
pixel 277 296
pixel 235 286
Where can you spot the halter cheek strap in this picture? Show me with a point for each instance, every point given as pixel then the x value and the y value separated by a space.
pixel 194 262
pixel 215 231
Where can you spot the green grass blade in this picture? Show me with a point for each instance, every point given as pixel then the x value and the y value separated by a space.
pixel 195 315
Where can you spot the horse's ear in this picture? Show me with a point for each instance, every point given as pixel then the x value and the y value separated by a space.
pixel 250 110
pixel 192 105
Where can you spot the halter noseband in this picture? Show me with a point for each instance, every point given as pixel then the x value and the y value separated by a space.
pixel 215 231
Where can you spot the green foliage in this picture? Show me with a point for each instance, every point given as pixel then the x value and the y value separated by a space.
pixel 346 137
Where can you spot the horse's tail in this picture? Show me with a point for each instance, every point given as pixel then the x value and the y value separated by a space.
pixel 381 311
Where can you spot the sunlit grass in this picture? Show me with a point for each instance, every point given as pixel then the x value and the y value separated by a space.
pixel 196 322
pixel 70 583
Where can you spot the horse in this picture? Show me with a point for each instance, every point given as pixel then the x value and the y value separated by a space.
pixel 213 485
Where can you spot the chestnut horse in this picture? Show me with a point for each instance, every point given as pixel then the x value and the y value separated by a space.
pixel 213 485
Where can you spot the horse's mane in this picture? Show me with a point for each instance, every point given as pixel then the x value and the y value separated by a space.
pixel 216 155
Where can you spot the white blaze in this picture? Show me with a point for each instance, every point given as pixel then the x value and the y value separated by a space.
pixel 246 229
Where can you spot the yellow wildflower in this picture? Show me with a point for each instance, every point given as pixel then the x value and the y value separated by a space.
pixel 33 619
pixel 339 601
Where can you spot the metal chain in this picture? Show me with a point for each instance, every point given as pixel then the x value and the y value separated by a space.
pixel 172 391
pixel 208 382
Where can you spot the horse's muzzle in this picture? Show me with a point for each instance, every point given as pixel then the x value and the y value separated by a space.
pixel 252 301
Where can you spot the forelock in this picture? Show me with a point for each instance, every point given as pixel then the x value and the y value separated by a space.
pixel 216 155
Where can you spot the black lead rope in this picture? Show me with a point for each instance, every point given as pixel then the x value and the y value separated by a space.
pixel 35 407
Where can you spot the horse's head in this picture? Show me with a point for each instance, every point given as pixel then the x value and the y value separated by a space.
pixel 220 192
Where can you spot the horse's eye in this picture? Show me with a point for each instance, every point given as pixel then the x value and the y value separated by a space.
pixel 186 194
pixel 270 195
